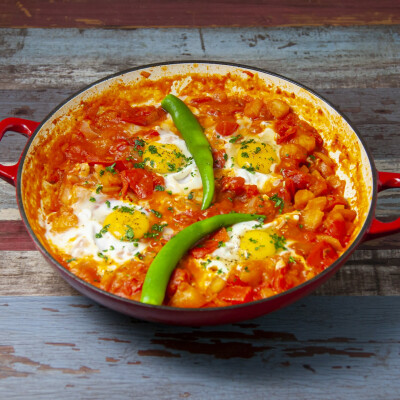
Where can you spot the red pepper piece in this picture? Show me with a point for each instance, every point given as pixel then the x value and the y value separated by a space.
pixel 210 245
pixel 226 128
pixel 321 256
pixel 142 182
pixel 236 294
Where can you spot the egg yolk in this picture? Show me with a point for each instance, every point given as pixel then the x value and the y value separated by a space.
pixel 163 158
pixel 257 245
pixel 256 157
pixel 127 225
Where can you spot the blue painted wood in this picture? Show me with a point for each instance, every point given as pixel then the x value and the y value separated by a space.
pixel 319 348
pixel 321 57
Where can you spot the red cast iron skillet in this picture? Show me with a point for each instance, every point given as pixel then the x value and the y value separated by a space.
pixel 371 228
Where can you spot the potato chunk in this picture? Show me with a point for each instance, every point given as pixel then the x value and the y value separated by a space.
pixel 312 218
pixel 253 108
pixel 278 108
pixel 302 197
pixel 187 297
pixel 293 151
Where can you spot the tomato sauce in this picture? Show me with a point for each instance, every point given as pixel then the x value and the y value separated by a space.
pixel 104 149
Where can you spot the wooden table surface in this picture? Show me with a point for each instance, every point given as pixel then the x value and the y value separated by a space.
pixel 342 342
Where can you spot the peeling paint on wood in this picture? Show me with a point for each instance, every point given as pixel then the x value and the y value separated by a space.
pixel 347 343
pixel 351 344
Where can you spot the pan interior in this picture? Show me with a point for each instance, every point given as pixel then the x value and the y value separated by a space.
pixel 344 145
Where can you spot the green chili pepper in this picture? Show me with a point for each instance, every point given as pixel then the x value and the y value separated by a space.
pixel 157 277
pixel 196 141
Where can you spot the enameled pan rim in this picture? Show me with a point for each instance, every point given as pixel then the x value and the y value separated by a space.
pixel 169 309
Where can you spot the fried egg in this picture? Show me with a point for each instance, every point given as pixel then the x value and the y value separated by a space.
pixel 108 230
pixel 253 158
pixel 248 241
pixel 170 157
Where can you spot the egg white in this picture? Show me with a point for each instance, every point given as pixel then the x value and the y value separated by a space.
pixel 259 179
pixel 188 178
pixel 80 241
pixel 222 260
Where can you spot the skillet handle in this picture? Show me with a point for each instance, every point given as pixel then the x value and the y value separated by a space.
pixel 24 126
pixel 386 180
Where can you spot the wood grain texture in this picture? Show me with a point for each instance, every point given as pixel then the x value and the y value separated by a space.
pixel 186 13
pixel 350 345
pixel 369 272
pixel 322 58
pixel 322 347
pixel 42 67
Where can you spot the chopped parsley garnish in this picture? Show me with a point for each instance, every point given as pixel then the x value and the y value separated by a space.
pixel 153 149
pixel 108 204
pixel 159 188
pixel 140 165
pixel 221 244
pixel 71 259
pixel 301 226
pixel 253 240
pixel 155 230
pixel 125 209
pixel 102 171
pixel 225 157
pixel 103 230
pixel 92 199
pixel 279 203
pixel 156 213
pixel 169 192
pixel 101 255
pixel 234 139
pixel 190 196
pixel 312 156
pixel 250 169
pixel 292 260
pixel 257 150
pixel 99 189
pixel 139 256
pixel 158 227
pixel 244 144
pixel 129 235
pixel 171 209
pixel 171 167
pixel 111 168
pixel 245 154
pixel 139 142
pixel 278 241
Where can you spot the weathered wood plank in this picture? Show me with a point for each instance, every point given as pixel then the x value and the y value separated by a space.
pixel 323 57
pixel 367 273
pixel 134 14
pixel 374 112
pixel 303 351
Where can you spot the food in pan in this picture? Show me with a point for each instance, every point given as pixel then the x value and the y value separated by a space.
pixel 127 178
